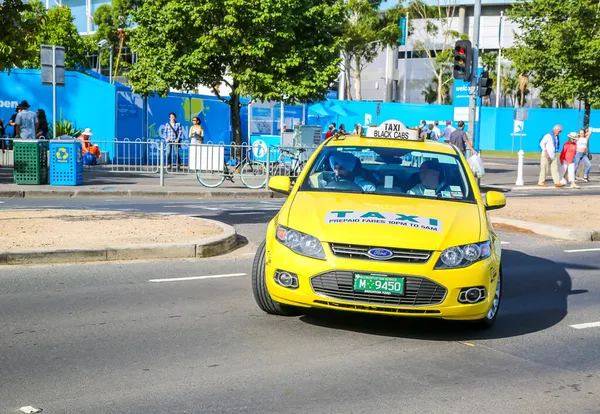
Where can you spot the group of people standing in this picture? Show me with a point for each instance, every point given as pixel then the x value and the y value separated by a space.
pixel 173 133
pixel 564 165
pixel 25 124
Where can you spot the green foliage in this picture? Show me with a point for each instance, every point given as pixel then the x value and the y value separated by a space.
pixel 559 42
pixel 58 29
pixel 436 22
pixel 366 32
pixel 110 19
pixel 267 49
pixel 64 127
pixel 19 27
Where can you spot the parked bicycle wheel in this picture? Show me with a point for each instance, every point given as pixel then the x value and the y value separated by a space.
pixel 210 179
pixel 253 174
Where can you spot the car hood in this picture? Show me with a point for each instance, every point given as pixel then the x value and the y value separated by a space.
pixel 385 221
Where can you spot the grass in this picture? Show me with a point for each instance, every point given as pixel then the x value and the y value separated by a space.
pixel 509 154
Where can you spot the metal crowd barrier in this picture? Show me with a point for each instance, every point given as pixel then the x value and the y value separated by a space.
pixel 209 162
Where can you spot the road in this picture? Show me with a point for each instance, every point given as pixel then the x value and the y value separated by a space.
pixel 117 337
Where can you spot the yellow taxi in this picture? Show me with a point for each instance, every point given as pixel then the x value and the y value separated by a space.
pixel 386 223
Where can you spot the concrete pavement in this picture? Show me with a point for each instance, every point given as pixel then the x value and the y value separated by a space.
pixel 109 338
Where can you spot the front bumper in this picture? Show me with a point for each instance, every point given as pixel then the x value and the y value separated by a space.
pixel 429 292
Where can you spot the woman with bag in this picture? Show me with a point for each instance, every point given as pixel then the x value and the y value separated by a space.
pixel 567 160
pixel 582 153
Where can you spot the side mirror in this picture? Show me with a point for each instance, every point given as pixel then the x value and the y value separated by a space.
pixel 280 184
pixel 494 200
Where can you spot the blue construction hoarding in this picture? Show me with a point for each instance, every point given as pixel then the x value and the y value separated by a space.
pixel 113 111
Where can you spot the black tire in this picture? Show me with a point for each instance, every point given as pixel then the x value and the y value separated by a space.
pixel 259 288
pixel 487 322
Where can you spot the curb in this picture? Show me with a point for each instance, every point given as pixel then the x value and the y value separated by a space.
pixel 136 194
pixel 551 231
pixel 212 246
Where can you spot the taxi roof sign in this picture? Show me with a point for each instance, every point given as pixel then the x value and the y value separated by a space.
pixel 393 129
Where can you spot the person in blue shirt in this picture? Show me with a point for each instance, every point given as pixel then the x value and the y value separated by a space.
pixel 348 167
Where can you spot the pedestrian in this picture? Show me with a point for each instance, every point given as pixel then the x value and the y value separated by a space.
pixel 3 140
pixel 196 131
pixel 567 160
pixel 550 144
pixel 335 130
pixel 86 146
pixel 430 133
pixel 448 131
pixel 329 132
pixel 343 130
pixel 173 138
pixel 12 123
pixel 43 129
pixel 582 154
pixel 358 130
pixel 436 130
pixel 26 122
pixel 459 139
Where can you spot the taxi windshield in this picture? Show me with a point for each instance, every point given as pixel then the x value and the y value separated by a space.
pixel 389 171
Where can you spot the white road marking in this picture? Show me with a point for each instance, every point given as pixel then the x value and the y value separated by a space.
pixel 504 242
pixel 582 250
pixel 586 325
pixel 245 213
pixel 181 279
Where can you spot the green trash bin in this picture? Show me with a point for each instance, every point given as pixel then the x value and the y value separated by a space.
pixel 31 161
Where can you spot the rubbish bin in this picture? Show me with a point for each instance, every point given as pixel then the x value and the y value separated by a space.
pixel 66 163
pixel 30 161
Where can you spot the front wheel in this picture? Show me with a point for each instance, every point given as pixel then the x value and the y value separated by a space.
pixel 490 317
pixel 253 174
pixel 260 291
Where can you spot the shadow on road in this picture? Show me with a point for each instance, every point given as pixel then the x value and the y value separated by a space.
pixel 534 298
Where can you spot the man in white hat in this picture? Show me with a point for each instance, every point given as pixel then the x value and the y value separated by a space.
pixel 86 145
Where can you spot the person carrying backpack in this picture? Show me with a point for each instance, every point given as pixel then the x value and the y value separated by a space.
pixel 173 138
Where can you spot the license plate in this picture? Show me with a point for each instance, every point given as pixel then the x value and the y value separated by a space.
pixel 384 285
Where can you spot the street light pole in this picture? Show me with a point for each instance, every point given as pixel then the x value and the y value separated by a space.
pixel 405 69
pixel 499 70
pixel 475 77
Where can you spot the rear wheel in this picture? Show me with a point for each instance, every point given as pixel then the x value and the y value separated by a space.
pixel 490 317
pixel 259 288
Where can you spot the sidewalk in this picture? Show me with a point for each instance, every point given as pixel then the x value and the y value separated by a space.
pixel 104 183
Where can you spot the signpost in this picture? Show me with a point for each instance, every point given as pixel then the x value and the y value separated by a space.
pixel 403 38
pixel 53 73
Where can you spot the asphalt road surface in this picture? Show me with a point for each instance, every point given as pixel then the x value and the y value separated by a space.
pixel 121 337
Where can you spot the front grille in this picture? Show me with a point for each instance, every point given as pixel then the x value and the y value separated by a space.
pixel 353 251
pixel 418 291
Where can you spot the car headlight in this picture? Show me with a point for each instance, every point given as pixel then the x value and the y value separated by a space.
pixel 300 243
pixel 463 256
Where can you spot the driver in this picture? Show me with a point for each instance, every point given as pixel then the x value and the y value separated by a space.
pixel 347 167
pixel 429 173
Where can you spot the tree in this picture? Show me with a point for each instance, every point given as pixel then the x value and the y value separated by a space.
pixel 366 33
pixel 559 43
pixel 265 49
pixel 438 41
pixel 57 29
pixel 114 21
pixel 19 29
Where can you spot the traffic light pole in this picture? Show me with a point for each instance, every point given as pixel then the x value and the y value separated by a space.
pixel 475 79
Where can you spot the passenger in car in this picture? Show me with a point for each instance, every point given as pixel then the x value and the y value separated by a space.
pixel 430 185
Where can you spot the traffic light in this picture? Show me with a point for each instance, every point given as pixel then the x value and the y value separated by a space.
pixel 463 58
pixel 485 84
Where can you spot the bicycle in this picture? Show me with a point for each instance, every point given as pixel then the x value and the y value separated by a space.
pixel 279 167
pixel 248 170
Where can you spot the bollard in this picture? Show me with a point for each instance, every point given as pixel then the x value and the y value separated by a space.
pixel 161 154
pixel 520 168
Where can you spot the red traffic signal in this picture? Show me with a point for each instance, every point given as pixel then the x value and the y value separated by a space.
pixel 463 58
